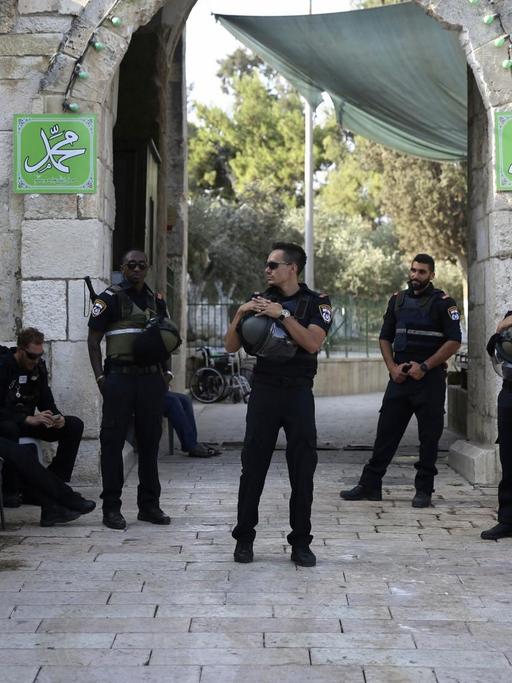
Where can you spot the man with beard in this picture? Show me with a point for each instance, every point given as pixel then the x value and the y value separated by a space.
pixel 421 331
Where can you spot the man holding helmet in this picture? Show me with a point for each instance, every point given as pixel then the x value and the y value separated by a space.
pixel 499 348
pixel 139 340
pixel 284 327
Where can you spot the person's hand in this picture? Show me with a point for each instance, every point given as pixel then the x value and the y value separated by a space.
pixel 398 373
pixel 247 307
pixel 59 421
pixel 44 419
pixel 101 384
pixel 266 307
pixel 504 324
pixel 415 371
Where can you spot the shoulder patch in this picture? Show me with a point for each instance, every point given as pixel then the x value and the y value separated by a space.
pixel 325 312
pixel 98 307
pixel 453 312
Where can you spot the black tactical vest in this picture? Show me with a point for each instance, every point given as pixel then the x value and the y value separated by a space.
pixel 417 328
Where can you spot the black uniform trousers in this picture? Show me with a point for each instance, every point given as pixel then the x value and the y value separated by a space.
pixel 45 488
pixel 423 398
pixel 505 443
pixel 277 402
pixel 68 441
pixel 140 396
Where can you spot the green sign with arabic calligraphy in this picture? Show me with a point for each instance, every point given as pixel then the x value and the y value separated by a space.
pixel 54 153
pixel 503 128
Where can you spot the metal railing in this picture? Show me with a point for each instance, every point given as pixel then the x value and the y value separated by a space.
pixel 354 331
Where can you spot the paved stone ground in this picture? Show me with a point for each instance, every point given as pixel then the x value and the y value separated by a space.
pixel 398 595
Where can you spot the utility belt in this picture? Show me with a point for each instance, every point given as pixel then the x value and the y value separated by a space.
pixel 113 367
pixel 281 381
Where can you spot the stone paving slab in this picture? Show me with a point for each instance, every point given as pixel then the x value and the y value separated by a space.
pixel 399 595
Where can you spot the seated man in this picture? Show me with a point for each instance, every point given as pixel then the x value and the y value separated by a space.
pixel 23 388
pixel 178 408
pixel 59 503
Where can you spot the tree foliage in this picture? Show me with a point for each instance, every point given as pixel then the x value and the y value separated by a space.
pixel 229 244
pixel 260 143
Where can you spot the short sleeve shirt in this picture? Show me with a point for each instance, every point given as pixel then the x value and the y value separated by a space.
pixel 445 315
pixel 309 308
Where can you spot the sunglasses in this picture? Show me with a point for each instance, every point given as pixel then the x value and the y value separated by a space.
pixel 141 265
pixel 33 356
pixel 274 265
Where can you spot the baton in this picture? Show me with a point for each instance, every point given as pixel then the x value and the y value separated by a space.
pixel 92 293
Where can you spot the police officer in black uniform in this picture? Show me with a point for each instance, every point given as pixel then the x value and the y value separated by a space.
pixel 23 389
pixel 503 357
pixel 421 331
pixel 281 396
pixel 59 503
pixel 131 387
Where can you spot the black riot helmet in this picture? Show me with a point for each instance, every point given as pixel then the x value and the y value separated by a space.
pixel 502 356
pixel 156 343
pixel 266 337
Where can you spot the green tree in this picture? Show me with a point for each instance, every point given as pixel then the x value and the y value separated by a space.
pixel 259 143
pixel 229 243
pixel 352 256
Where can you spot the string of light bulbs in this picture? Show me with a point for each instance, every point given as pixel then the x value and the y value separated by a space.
pixel 504 38
pixel 79 72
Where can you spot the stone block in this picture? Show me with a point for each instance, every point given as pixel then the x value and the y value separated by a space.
pixel 62 248
pixel 78 297
pixel 476 291
pixel 7 15
pixel 74 386
pixel 59 6
pixel 75 42
pixel 10 295
pixel 5 172
pixel 21 67
pixel 42 24
pixel 495 78
pixel 16 97
pixel 500 233
pixel 25 45
pixel 59 75
pixel 44 205
pixel 478 464
pixel 44 307
pixel 482 239
pixel 87 466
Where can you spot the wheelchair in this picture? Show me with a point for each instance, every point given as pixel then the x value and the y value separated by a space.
pixel 220 377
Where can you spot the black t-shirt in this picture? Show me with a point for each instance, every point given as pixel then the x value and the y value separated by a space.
pixel 445 316
pixel 106 309
pixel 309 308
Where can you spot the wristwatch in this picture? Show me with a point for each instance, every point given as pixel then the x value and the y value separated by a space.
pixel 285 313
pixel 424 367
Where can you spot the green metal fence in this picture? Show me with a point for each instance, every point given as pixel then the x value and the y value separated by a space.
pixel 354 332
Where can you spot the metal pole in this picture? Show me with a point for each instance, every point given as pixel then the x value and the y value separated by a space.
pixel 308 190
pixel 308 196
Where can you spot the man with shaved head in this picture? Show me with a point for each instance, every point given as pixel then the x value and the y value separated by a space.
pixel 131 388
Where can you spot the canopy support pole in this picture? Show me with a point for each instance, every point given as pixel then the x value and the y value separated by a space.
pixel 308 196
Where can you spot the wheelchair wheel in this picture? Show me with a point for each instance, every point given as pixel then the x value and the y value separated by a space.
pixel 207 385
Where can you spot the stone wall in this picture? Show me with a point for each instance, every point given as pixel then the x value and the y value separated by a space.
pixel 49 242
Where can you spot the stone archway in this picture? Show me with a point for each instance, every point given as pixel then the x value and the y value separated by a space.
pixel 49 243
